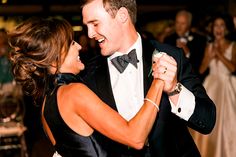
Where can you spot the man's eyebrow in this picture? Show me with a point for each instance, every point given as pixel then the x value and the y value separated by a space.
pixel 91 21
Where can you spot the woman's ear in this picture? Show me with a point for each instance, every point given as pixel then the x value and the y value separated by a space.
pixel 122 14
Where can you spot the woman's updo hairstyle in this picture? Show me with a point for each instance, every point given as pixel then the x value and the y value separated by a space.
pixel 37 45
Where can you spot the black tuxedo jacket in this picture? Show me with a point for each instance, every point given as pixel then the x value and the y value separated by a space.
pixel 196 44
pixel 169 136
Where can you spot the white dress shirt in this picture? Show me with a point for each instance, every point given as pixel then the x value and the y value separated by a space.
pixel 128 88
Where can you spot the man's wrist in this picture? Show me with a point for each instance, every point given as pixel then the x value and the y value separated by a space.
pixel 176 90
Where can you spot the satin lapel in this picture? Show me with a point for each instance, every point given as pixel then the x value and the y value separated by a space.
pixel 148 49
pixel 103 83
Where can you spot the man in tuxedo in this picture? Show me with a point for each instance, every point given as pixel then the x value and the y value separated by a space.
pixel 123 85
pixel 192 43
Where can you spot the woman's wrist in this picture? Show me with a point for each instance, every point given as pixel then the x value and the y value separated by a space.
pixel 152 102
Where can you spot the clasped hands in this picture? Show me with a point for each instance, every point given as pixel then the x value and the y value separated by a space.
pixel 165 68
pixel 183 44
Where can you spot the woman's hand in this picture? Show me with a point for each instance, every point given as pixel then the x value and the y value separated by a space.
pixel 165 68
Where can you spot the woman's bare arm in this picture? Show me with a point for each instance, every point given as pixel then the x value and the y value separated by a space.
pixel 101 117
pixel 230 64
pixel 208 55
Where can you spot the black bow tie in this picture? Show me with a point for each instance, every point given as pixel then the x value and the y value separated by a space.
pixel 121 62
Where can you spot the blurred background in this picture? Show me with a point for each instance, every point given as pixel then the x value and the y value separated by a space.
pixel 12 11
pixel 20 130
pixel 153 15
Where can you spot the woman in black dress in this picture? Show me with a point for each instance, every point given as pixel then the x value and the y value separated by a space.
pixel 46 63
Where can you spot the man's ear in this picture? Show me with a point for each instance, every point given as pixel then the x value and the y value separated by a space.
pixel 122 14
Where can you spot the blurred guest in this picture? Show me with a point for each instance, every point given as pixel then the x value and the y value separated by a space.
pixel 220 84
pixel 208 30
pixel 5 66
pixel 160 29
pixel 192 43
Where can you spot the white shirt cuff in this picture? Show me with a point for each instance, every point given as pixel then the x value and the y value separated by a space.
pixel 185 105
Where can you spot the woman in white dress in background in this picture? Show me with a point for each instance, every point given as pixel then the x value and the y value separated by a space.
pixel 220 84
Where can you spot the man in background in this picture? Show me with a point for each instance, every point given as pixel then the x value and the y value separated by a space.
pixel 193 44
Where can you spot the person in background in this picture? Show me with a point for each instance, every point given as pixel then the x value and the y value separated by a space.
pixel 6 76
pixel 122 84
pixel 160 29
pixel 192 43
pixel 220 84
pixel 71 112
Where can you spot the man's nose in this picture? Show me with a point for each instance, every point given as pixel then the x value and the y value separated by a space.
pixel 91 33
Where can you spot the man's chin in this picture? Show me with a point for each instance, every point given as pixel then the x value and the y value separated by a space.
pixel 104 53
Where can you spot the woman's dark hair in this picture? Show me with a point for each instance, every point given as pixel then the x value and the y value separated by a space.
pixel 228 19
pixel 37 45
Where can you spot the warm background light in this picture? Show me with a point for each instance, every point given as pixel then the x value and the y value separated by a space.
pixel 4 1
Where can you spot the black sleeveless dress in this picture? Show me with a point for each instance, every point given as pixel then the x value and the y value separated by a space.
pixel 68 142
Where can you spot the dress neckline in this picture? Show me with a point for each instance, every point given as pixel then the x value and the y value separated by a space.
pixel 59 79
pixel 65 78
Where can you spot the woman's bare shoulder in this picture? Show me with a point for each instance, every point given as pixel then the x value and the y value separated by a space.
pixel 72 89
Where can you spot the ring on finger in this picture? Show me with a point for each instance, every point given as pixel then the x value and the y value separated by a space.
pixel 165 70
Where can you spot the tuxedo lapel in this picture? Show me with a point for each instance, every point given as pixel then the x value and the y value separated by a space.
pixel 148 49
pixel 103 84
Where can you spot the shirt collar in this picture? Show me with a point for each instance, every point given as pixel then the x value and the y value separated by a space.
pixel 137 45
